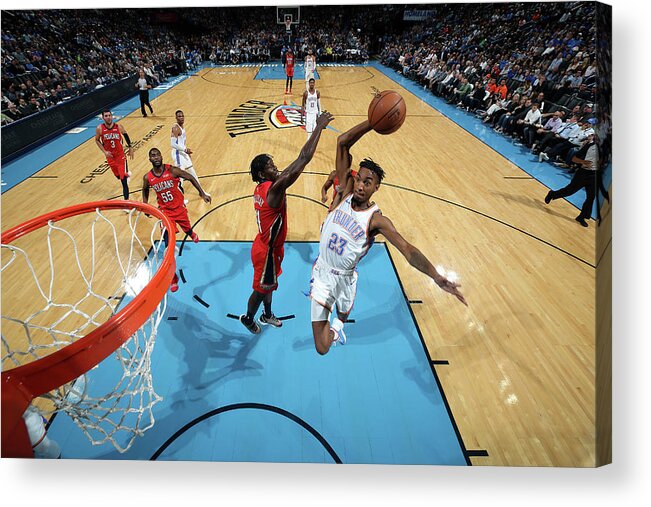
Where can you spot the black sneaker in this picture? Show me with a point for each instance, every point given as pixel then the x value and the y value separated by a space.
pixel 253 327
pixel 270 321
pixel 582 221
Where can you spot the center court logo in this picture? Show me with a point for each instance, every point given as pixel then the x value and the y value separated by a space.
pixel 285 116
pixel 255 116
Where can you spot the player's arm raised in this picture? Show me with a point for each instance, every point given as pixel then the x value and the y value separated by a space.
pixel 345 142
pixel 413 255
pixel 123 131
pixel 294 170
pixel 180 173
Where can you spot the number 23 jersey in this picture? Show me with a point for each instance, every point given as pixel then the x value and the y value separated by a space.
pixel 344 235
pixel 167 189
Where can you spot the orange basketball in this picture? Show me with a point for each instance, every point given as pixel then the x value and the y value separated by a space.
pixel 387 112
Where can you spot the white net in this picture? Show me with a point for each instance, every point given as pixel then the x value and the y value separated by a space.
pixel 63 281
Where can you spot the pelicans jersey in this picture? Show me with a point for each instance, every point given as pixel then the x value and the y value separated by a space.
pixel 166 187
pixel 268 249
pixel 289 64
pixel 112 142
pixel 169 196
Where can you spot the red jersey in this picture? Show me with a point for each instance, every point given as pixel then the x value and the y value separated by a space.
pixel 289 61
pixel 112 140
pixel 272 222
pixel 167 189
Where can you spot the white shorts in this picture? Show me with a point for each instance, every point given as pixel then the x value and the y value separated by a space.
pixel 330 287
pixel 309 75
pixel 183 161
pixel 310 122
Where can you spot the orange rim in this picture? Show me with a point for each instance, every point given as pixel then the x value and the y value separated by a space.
pixel 20 385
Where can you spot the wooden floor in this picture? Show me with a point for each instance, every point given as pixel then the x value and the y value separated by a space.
pixel 521 375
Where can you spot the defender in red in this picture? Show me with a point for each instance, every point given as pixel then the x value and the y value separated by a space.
pixel 108 137
pixel 288 64
pixel 165 179
pixel 270 203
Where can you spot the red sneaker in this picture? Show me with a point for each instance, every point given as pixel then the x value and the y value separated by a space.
pixel 174 286
pixel 194 237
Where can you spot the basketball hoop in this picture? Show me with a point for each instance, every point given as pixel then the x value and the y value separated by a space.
pixel 57 371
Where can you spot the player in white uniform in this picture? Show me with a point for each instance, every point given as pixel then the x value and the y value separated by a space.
pixel 346 236
pixel 310 68
pixel 311 107
pixel 181 154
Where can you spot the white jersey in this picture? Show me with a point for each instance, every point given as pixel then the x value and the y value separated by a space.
pixel 344 236
pixel 310 65
pixel 179 156
pixel 312 103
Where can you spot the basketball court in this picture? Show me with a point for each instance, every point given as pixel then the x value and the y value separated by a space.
pixel 510 380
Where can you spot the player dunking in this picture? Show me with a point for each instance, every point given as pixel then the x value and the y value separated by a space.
pixel 108 137
pixel 288 64
pixel 346 236
pixel 310 68
pixel 165 180
pixel 311 107
pixel 270 205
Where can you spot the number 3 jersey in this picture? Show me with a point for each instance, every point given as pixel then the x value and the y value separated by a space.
pixel 344 235
pixel 112 140
pixel 167 189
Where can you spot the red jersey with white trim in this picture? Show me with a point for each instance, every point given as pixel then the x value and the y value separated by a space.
pixel 112 140
pixel 167 189
pixel 272 222
pixel 289 62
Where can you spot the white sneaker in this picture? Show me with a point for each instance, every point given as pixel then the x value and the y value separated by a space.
pixel 340 337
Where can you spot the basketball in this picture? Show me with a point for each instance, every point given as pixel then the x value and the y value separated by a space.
pixel 387 112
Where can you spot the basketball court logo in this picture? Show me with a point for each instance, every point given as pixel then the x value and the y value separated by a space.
pixel 285 116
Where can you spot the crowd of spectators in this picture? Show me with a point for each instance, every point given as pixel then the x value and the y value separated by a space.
pixel 528 70
pixel 49 57
pixel 500 61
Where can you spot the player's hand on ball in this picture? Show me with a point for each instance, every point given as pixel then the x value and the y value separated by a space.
pixel 324 118
pixel 452 288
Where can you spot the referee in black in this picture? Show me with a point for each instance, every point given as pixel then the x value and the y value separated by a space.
pixel 144 87
pixel 585 177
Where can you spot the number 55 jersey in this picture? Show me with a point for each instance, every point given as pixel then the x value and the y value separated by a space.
pixel 169 196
